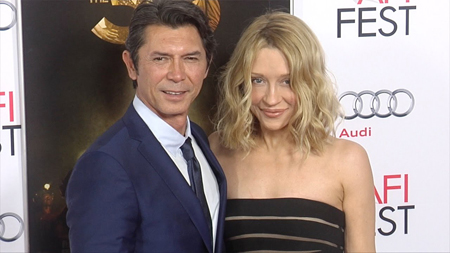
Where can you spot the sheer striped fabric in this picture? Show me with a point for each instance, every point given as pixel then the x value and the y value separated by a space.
pixel 283 225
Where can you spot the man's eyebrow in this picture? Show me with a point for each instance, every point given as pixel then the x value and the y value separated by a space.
pixel 159 53
pixel 167 54
pixel 194 53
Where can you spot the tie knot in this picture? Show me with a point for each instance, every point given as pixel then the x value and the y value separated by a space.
pixel 188 151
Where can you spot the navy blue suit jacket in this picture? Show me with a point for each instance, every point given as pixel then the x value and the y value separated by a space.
pixel 127 195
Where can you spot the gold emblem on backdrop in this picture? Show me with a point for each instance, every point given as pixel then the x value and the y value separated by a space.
pixel 109 32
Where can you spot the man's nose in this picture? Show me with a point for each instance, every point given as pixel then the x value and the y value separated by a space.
pixel 176 72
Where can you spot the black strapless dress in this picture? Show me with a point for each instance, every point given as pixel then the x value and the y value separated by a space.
pixel 283 224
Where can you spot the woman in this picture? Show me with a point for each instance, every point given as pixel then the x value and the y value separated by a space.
pixel 292 186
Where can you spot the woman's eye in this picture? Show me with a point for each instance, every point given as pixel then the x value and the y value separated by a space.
pixel 287 82
pixel 257 80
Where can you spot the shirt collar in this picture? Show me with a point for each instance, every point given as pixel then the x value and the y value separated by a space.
pixel 169 138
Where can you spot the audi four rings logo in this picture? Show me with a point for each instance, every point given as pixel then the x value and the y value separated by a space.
pixel 382 104
pixel 13 15
pixel 12 234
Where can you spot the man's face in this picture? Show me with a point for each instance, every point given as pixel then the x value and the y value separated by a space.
pixel 171 69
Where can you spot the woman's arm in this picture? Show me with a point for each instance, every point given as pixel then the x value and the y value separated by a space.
pixel 359 201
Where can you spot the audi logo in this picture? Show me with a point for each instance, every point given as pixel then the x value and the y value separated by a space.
pixel 6 237
pixel 382 104
pixel 13 15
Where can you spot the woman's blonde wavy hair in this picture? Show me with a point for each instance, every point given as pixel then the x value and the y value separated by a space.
pixel 317 105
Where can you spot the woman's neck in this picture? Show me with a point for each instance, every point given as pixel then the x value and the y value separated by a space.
pixel 276 140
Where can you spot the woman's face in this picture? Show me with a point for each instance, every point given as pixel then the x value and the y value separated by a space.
pixel 273 101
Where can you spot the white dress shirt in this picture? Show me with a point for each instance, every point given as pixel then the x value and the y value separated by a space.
pixel 171 140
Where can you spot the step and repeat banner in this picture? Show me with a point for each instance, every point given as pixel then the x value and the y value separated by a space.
pixel 390 60
pixel 75 87
pixel 13 205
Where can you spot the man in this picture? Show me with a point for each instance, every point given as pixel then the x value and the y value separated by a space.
pixel 133 190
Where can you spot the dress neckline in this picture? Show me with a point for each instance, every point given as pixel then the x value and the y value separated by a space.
pixel 283 199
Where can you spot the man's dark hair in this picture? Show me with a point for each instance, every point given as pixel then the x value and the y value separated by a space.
pixel 172 13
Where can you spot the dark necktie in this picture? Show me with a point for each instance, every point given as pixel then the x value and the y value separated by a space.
pixel 195 176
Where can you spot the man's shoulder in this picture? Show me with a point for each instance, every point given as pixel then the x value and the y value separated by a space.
pixel 115 134
pixel 125 129
pixel 116 143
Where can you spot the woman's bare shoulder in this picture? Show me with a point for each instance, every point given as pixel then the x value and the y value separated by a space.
pixel 216 145
pixel 347 150
pixel 214 140
pixel 352 161
pixel 226 157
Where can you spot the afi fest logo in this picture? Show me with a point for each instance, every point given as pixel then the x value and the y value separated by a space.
pixel 394 217
pixel 7 104
pixel 381 1
pixel 383 19
pixel 8 19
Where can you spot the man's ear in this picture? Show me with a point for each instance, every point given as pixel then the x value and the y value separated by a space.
pixel 132 71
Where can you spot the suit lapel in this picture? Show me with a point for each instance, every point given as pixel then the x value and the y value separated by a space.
pixel 203 143
pixel 159 160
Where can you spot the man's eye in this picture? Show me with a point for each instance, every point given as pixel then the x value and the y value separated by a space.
pixel 191 58
pixel 159 59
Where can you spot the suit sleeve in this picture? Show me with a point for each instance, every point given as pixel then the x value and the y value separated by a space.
pixel 102 206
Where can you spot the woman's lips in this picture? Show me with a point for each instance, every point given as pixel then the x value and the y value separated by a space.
pixel 273 113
